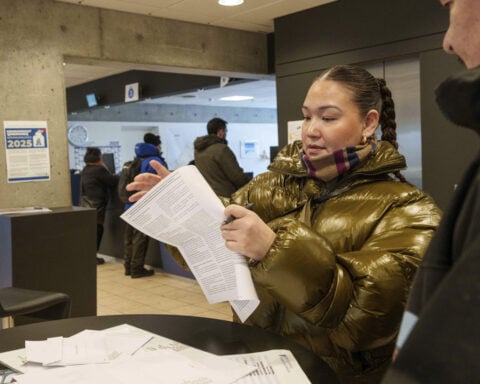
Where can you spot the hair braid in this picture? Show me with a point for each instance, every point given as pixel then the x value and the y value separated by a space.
pixel 387 120
pixel 387 114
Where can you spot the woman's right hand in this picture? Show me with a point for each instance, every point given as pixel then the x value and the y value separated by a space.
pixel 146 181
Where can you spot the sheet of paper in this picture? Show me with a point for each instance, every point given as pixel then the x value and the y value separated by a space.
pixel 274 366
pixel 161 366
pixel 158 360
pixel 277 366
pixel 183 210
pixel 86 347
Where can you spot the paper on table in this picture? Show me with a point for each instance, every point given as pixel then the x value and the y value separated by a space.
pixel 274 366
pixel 86 347
pixel 161 360
pixel 161 366
pixel 277 366
pixel 183 211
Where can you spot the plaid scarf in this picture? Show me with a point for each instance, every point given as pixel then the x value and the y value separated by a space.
pixel 335 164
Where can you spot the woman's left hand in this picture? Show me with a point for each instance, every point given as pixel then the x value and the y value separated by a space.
pixel 247 234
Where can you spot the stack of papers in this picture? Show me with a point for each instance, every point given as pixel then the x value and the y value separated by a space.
pixel 87 347
pixel 182 210
pixel 125 355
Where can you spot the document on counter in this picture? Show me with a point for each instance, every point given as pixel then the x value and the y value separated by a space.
pixel 182 210
pixel 277 366
pixel 158 360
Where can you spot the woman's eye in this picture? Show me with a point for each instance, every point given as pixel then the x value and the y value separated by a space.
pixel 306 118
pixel 327 119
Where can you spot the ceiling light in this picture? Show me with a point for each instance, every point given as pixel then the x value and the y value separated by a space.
pixel 230 3
pixel 236 98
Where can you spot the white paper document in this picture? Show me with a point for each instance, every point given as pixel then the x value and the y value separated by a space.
pixel 182 210
pixel 161 360
pixel 277 366
pixel 86 347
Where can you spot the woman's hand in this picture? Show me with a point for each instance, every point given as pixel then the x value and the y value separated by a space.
pixel 146 181
pixel 247 234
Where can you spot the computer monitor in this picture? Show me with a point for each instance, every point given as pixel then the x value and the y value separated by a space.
pixel 91 100
pixel 109 161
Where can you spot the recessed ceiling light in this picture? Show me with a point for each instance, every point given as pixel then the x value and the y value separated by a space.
pixel 230 3
pixel 236 98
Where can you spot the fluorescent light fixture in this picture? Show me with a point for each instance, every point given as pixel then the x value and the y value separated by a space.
pixel 230 3
pixel 236 98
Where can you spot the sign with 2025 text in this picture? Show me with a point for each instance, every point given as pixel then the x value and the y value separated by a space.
pixel 26 149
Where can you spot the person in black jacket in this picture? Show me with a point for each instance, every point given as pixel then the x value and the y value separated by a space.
pixel 439 339
pixel 95 184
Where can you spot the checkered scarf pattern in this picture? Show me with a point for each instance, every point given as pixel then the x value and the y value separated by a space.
pixel 332 165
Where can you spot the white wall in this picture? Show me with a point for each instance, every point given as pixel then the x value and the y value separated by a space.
pixel 177 141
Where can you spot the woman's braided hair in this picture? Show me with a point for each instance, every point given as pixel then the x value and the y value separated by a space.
pixel 368 93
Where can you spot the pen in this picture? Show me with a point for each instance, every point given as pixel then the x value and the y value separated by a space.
pixel 230 218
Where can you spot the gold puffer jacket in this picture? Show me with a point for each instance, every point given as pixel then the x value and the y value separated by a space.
pixel 338 274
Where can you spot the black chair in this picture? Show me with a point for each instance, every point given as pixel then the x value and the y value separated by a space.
pixel 28 306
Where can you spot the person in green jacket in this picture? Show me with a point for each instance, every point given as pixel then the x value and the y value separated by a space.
pixel 216 161
pixel 336 233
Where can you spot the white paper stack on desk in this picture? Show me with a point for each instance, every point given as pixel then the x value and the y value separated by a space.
pixel 160 360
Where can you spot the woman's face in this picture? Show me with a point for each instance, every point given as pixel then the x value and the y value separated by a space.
pixel 332 121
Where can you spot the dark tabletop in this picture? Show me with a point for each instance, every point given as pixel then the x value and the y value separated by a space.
pixel 215 336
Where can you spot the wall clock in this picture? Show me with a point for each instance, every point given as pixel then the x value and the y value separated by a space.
pixel 77 135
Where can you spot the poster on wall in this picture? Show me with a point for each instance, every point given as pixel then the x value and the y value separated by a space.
pixel 294 130
pixel 249 149
pixel 26 150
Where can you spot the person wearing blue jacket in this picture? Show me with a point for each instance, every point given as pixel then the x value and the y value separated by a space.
pixel 135 242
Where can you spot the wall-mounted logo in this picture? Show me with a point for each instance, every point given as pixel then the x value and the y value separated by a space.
pixel 132 92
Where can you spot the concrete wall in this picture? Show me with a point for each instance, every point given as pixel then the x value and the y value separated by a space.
pixel 37 36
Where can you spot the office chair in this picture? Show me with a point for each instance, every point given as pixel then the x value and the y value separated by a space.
pixel 27 306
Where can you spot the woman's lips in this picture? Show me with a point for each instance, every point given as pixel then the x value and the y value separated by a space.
pixel 315 150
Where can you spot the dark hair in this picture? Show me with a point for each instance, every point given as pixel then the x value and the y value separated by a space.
pixel 92 155
pixel 215 125
pixel 150 138
pixel 368 93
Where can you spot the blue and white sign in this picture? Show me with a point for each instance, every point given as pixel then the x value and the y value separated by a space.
pixel 26 149
pixel 131 92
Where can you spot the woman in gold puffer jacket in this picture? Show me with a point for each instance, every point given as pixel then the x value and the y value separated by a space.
pixel 345 247
pixel 336 234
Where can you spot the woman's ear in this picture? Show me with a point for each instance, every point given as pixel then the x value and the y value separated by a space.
pixel 370 122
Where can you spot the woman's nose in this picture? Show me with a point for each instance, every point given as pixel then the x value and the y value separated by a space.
pixel 311 127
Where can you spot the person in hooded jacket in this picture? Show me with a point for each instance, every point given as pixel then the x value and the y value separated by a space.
pixel 336 234
pixel 135 242
pixel 216 161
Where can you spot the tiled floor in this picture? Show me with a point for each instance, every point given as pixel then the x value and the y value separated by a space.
pixel 158 294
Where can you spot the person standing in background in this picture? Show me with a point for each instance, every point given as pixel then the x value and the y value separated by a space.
pixel 96 182
pixel 216 161
pixel 135 242
pixel 439 338
pixel 150 138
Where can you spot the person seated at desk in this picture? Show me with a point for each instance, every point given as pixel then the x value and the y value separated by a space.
pixel 336 233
